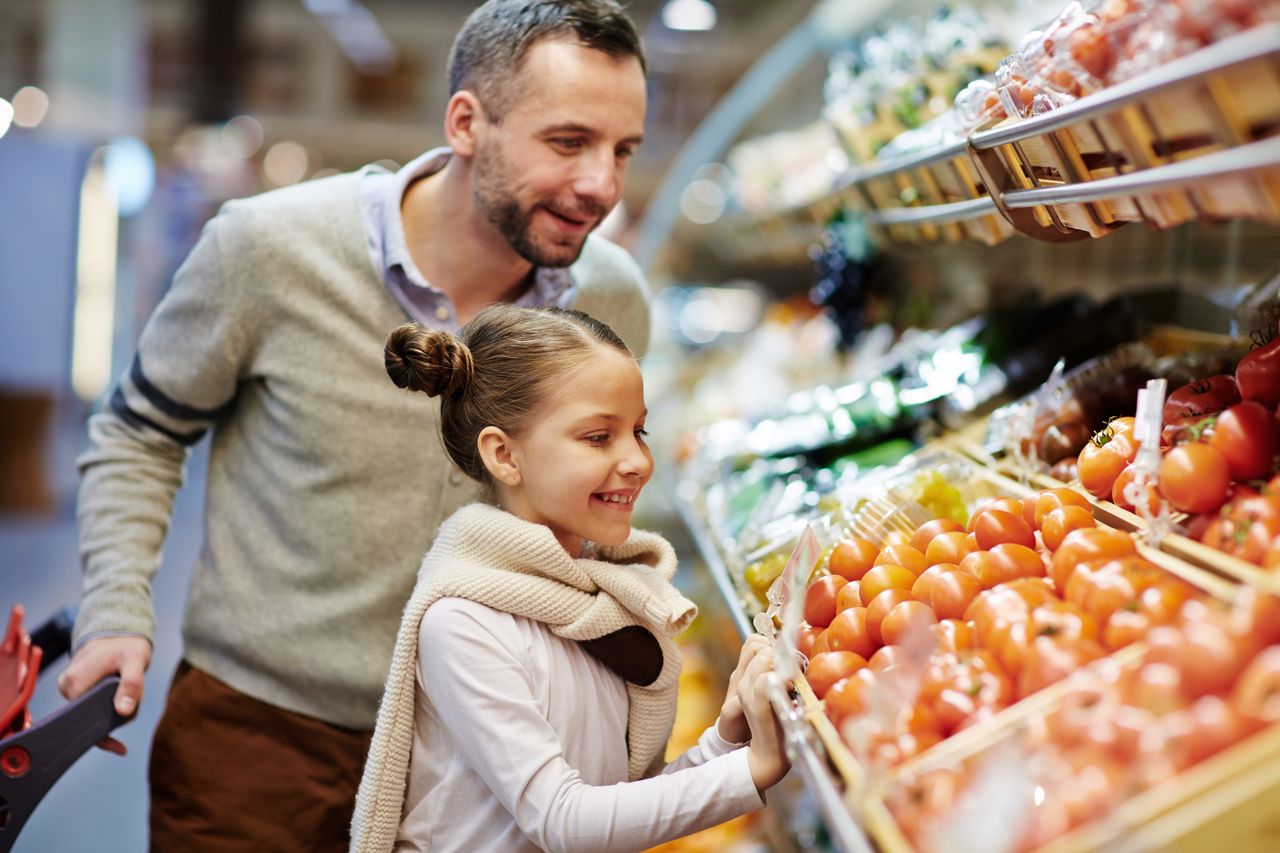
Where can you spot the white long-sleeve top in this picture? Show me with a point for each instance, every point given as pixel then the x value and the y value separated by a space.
pixel 520 743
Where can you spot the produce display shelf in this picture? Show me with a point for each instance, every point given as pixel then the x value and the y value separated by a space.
pixel 1115 156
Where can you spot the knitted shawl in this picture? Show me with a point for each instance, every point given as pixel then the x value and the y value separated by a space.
pixel 493 558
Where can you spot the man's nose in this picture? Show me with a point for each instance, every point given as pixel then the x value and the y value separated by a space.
pixel 599 178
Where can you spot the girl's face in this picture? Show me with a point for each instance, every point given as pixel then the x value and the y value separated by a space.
pixel 582 459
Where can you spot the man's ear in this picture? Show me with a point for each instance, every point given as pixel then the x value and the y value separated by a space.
pixel 497 452
pixel 462 118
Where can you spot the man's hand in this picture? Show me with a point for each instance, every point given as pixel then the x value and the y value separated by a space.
pixel 732 725
pixel 95 660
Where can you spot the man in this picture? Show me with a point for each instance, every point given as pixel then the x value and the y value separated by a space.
pixel 326 484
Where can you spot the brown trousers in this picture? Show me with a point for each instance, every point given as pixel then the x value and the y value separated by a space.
pixel 231 773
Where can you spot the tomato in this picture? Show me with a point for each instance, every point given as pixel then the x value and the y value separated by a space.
pixel 1162 602
pixel 851 559
pixel 1063 619
pixel 1180 430
pixel 1008 505
pixel 949 547
pixel 882 577
pixel 805 639
pixel 845 698
pixel 887 656
pixel 1085 544
pixel 848 632
pixel 1204 654
pixel 951 594
pixel 907 621
pixel 921 588
pixel 1061 521
pixel 828 668
pixel 820 643
pixel 1063 440
pixel 924 533
pixel 1008 641
pixel 1090 47
pixel 1102 460
pixel 996 527
pixel 1217 725
pixel 951 708
pixel 1156 687
pixel 1035 591
pixel 1256 696
pixel 1194 478
pixel 1124 627
pixel 1258 375
pixel 911 559
pixel 879 608
pixel 1245 435
pixel 1202 397
pixel 1119 495
pixel 820 600
pixel 991 606
pixel 1255 615
pixel 848 596
pixel 953 635
pixel 1050 499
pixel 1008 561
pixel 1047 661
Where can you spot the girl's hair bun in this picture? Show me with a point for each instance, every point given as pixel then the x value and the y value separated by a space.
pixel 428 360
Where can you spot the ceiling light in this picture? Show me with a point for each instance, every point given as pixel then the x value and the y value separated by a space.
pixel 688 15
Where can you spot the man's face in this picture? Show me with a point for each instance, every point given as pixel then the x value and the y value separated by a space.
pixel 551 168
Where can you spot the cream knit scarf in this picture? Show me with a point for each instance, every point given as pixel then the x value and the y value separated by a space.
pixel 491 557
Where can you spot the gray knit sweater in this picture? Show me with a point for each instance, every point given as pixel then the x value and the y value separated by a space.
pixel 326 483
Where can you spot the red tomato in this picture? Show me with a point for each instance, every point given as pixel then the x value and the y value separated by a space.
pixel 883 577
pixel 1258 375
pixel 820 600
pixel 851 559
pixel 879 608
pixel 949 547
pixel 924 584
pixel 1217 726
pixel 996 527
pixel 1194 478
pixel 845 698
pixel 828 668
pixel 820 644
pixel 887 656
pixel 1048 661
pixel 953 636
pixel 1063 619
pixel 1009 561
pixel 908 619
pixel 1245 435
pixel 1120 498
pixel 1204 654
pixel 1061 521
pixel 911 559
pixel 848 632
pixel 1201 397
pixel 1124 627
pixel 924 533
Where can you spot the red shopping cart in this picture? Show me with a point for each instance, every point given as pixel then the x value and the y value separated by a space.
pixel 34 755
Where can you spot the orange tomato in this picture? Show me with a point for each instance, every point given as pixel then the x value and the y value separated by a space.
pixel 1256 697
pixel 883 577
pixel 848 596
pixel 1050 499
pixel 879 608
pixel 805 640
pixel 820 600
pixel 1124 627
pixel 886 656
pixel 819 644
pixel 1062 619
pixel 851 558
pixel 828 668
pixel 908 619
pixel 924 533
pixel 911 559
pixel 953 635
pixel 951 594
pixel 997 527
pixel 1084 544
pixel 846 698
pixel 949 547
pixel 848 632
pixel 920 589
pixel 1061 521
pixel 1008 561
pixel 1009 505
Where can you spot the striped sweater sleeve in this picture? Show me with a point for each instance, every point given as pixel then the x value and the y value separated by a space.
pixel 183 379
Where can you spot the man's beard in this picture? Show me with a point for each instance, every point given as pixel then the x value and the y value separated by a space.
pixel 514 223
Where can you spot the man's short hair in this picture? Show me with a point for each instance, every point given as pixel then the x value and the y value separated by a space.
pixel 492 44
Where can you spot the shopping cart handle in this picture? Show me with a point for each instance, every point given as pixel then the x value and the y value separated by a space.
pixel 54 636
pixel 32 760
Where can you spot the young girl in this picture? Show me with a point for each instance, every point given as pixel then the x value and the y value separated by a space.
pixel 533 684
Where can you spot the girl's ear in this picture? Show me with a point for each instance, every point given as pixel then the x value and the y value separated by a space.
pixel 462 118
pixel 497 453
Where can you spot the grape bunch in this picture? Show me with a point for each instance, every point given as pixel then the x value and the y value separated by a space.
pixel 842 270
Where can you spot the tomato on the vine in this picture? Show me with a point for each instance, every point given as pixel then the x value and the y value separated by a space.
pixel 1103 458
pixel 1201 397
pixel 1258 374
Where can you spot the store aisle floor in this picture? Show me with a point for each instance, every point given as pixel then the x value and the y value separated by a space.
pixel 100 804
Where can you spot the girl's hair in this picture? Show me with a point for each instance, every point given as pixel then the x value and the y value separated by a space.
pixel 496 373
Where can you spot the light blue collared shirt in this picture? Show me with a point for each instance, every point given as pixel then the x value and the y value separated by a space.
pixel 381 193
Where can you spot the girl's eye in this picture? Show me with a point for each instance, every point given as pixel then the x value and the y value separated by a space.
pixel 642 432
pixel 599 438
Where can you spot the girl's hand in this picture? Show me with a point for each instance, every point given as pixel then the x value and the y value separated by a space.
pixel 766 755
pixel 732 725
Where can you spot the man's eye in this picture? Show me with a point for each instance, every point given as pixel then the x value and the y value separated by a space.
pixel 568 144
pixel 626 153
